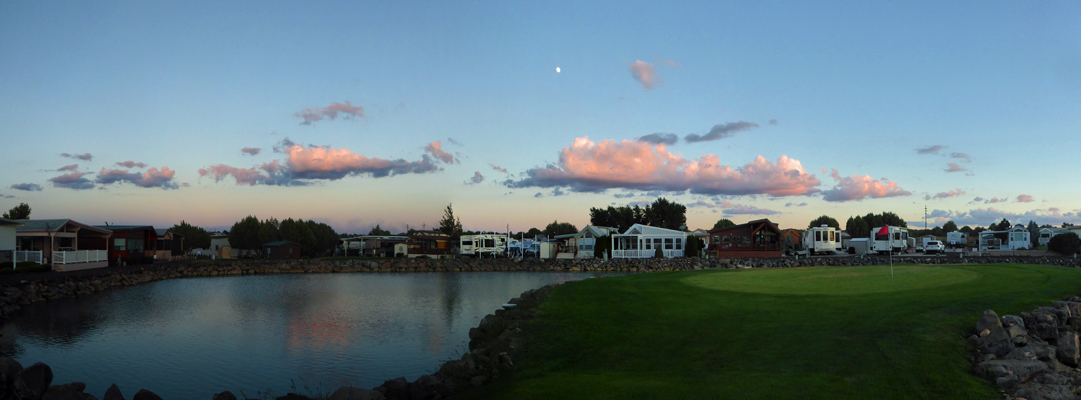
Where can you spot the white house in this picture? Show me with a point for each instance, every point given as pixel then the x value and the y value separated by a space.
pixel 642 241
pixel 586 239
pixel 7 240
pixel 1047 233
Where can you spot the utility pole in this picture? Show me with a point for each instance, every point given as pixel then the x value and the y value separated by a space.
pixel 924 217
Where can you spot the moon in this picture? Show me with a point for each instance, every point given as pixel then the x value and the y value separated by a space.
pixel 557 70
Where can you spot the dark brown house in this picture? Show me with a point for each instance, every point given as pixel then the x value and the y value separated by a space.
pixel 283 250
pixel 759 238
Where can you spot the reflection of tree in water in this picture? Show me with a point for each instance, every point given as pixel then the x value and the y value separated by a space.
pixel 61 323
pixel 452 293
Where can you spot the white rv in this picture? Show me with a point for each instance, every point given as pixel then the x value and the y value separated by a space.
pixel 957 239
pixel 822 239
pixel 896 240
pixel 484 245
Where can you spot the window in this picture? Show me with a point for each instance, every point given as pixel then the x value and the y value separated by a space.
pixel 65 244
pixel 897 236
pixel 727 241
pixel 647 245
pixel 679 244
pixel 833 238
pixel 668 244
pixel 120 244
pixel 716 239
pixel 135 245
pixel 818 236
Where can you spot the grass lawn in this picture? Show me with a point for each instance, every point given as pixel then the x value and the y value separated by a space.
pixel 826 332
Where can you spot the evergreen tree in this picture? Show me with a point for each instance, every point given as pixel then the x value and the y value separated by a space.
pixel 245 234
pixel 723 223
pixel 824 220
pixel 194 236
pixel 21 211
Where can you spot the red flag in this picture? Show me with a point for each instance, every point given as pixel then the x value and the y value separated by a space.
pixel 884 231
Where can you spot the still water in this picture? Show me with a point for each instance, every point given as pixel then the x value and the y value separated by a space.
pixel 191 338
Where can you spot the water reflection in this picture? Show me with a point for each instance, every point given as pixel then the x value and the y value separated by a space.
pixel 190 338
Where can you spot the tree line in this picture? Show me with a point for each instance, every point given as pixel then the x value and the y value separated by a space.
pixel 314 238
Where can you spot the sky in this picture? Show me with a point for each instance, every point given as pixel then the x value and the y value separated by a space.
pixel 524 113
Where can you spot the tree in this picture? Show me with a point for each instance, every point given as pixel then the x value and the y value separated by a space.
pixel 268 231
pixel 194 236
pixel 1004 225
pixel 21 211
pixel 857 227
pixel 377 231
pixel 1034 233
pixel 659 253
pixel 966 229
pixel 602 245
pixel 451 226
pixel 560 228
pixel 824 220
pixel 1064 243
pixel 298 232
pixel 325 237
pixel 694 246
pixel 665 214
pixel 723 223
pixel 245 234
pixel 533 232
pixel 949 226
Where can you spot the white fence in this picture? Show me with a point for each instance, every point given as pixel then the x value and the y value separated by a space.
pixel 25 255
pixel 645 253
pixel 79 256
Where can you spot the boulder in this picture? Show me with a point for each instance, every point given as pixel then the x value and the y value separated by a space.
pixel 1020 370
pixel 113 393
pixel 352 393
pixel 144 394
pixel 8 369
pixel 70 391
pixel 1068 351
pixel 293 396
pixel 397 388
pixel 1045 392
pixel 226 395
pixel 1012 320
pixel 32 382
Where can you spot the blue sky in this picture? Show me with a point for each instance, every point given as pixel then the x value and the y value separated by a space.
pixel 850 86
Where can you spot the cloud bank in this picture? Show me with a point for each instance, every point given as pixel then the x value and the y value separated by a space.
pixel 587 166
pixel 857 187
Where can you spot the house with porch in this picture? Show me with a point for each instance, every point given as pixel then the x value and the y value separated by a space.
pixel 64 244
pixel 7 241
pixel 169 243
pixel 131 244
pixel 1016 238
pixel 758 238
pixel 282 250
pixel 433 244
pixel 586 239
pixel 1047 233
pixel 642 241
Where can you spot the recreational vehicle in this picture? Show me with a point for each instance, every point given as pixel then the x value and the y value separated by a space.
pixel 484 245
pixel 956 239
pixel 822 239
pixel 892 239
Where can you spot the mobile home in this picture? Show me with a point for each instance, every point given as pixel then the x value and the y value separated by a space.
pixel 484 245
pixel 895 239
pixel 956 239
pixel 822 239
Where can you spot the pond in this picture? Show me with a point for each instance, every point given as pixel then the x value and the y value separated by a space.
pixel 312 333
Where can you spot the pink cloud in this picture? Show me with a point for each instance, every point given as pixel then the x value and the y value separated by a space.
pixel 317 162
pixel 251 151
pixel 498 168
pixel 645 74
pixel 71 167
pixel 131 164
pixel 436 150
pixel 84 156
pixel 944 195
pixel 1024 198
pixel 151 178
pixel 953 167
pixel 587 166
pixel 319 113
pixel 857 187
pixel 73 181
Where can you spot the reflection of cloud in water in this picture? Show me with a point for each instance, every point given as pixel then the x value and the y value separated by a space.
pixel 257 332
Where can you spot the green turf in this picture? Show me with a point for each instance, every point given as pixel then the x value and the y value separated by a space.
pixel 828 332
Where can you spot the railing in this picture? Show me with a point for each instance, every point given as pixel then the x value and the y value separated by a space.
pixel 26 255
pixel 80 256
pixel 645 253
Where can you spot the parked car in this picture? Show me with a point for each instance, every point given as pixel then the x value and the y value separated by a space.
pixel 933 246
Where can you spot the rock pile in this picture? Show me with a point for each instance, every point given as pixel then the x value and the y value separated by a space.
pixel 492 348
pixel 1034 355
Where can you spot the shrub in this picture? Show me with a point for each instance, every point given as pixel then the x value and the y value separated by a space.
pixel 25 266
pixel 1065 244
pixel 659 253
pixel 601 245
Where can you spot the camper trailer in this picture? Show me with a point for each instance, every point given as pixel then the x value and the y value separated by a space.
pixel 822 239
pixel 484 245
pixel 895 239
pixel 956 239
pixel 859 246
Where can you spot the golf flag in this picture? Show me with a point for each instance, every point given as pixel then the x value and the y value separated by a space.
pixel 884 231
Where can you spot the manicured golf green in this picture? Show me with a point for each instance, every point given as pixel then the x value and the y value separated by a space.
pixel 828 332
